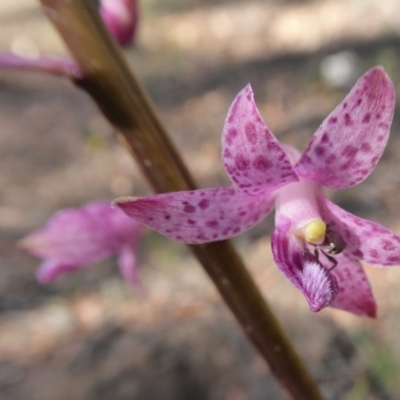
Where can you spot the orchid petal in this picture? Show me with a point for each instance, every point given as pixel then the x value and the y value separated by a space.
pixel 198 216
pixel 364 239
pixel 74 238
pixel 355 294
pixel 254 159
pixel 317 284
pixel 349 143
pixel 50 270
pixel 81 236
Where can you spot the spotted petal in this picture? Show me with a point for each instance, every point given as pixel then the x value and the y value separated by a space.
pixel 318 286
pixel 364 239
pixel 355 294
pixel 253 158
pixel 349 143
pixel 198 216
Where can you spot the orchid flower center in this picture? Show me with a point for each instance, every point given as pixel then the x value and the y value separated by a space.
pixel 324 240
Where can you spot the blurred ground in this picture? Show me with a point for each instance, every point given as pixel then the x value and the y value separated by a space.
pixel 88 336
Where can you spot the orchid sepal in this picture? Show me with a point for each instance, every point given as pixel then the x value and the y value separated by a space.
pixel 253 158
pixel 198 216
pixel 75 238
pixel 349 143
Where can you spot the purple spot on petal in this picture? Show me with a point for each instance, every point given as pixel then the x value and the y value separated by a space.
pixel 325 136
pixel 368 234
pixel 345 166
pixel 241 162
pixel 357 253
pixel 271 145
pixel 232 133
pixel 227 153
pixel 167 217
pixel 319 151
pixel 251 133
pixel 367 118
pixel 212 224
pixel 373 253
pixel 366 148
pixel 189 208
pixel 331 158
pixel 375 160
pixel 332 120
pixel 261 163
pixel 204 203
pixel 387 245
pixel 226 231
pixel 347 119
pixel 349 151
pixel 191 222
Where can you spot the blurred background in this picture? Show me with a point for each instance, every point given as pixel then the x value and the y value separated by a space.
pixel 89 335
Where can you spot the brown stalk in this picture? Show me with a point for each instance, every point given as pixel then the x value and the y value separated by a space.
pixel 108 80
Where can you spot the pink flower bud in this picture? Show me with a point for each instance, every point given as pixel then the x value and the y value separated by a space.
pixel 120 17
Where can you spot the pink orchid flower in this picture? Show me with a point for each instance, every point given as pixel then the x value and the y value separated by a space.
pixel 76 237
pixel 316 244
pixel 121 19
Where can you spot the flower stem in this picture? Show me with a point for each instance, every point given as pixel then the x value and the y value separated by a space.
pixel 108 80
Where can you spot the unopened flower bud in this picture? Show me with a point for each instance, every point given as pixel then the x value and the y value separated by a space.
pixel 120 17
